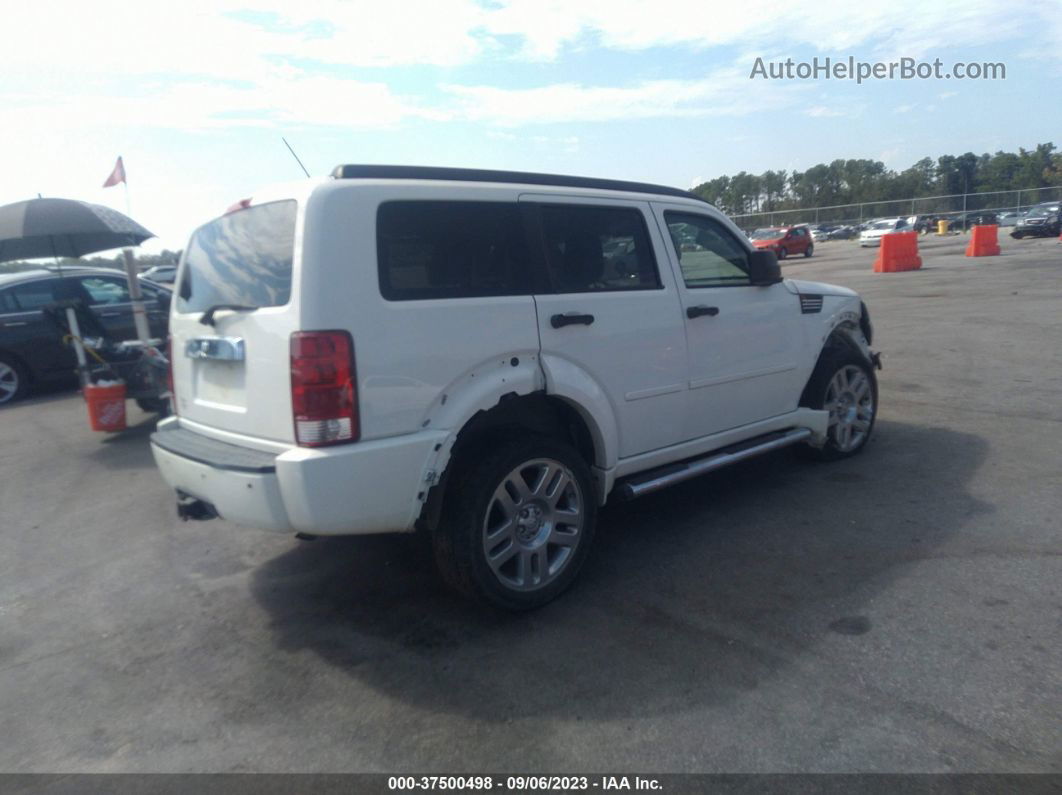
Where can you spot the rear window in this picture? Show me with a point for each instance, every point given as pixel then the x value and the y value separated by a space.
pixel 592 249
pixel 32 295
pixel 243 258
pixel 451 249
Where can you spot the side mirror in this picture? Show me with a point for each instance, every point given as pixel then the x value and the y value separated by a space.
pixel 764 269
pixel 165 299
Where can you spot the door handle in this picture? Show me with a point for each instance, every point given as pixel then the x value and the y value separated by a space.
pixel 697 311
pixel 559 321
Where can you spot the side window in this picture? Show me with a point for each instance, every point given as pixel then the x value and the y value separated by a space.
pixel 707 252
pixel 32 295
pixel 106 290
pixel 593 249
pixel 450 249
pixel 7 303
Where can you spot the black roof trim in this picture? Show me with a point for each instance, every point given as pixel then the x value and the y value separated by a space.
pixel 355 171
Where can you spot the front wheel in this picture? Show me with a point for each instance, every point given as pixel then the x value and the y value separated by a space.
pixel 844 384
pixel 519 524
pixel 782 253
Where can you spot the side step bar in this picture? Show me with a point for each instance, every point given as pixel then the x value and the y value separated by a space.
pixel 655 479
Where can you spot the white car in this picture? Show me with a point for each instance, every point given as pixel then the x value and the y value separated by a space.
pixel 487 357
pixel 872 235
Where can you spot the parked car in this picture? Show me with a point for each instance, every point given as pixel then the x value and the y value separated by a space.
pixel 1042 220
pixel 842 233
pixel 784 240
pixel 1009 219
pixel 965 221
pixel 450 350
pixel 875 230
pixel 162 274
pixel 31 346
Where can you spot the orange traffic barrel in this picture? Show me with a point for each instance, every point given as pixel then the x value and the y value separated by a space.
pixel 984 242
pixel 106 406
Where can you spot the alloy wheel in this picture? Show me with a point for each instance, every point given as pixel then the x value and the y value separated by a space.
pixel 850 402
pixel 533 524
pixel 9 382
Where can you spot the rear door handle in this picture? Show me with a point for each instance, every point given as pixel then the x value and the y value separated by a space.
pixel 559 321
pixel 697 311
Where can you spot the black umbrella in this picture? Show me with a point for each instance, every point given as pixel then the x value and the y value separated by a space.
pixel 64 228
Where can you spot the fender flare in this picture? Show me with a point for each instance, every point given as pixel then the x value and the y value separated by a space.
pixel 571 383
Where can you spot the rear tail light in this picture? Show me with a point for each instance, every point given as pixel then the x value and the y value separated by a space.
pixel 324 398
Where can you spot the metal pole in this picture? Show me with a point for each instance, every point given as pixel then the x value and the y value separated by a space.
pixel 143 331
pixel 79 349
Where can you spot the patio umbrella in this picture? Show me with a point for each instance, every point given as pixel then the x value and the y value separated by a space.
pixel 71 228
pixel 64 228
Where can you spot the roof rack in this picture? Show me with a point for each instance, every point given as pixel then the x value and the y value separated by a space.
pixel 356 171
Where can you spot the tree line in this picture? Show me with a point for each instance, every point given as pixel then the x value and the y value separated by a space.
pixel 859 181
pixel 144 261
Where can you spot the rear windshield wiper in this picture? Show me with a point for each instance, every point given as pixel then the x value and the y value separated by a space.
pixel 207 318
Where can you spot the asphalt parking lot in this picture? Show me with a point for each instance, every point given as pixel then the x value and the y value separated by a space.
pixel 901 611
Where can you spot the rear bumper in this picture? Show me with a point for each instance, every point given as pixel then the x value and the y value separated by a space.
pixel 367 487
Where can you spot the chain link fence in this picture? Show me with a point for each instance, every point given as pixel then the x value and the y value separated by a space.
pixel 854 214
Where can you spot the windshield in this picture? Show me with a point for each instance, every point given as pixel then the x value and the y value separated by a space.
pixel 883 225
pixel 767 234
pixel 1040 212
pixel 242 258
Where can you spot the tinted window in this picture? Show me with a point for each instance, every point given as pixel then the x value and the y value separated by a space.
pixel 709 255
pixel 32 295
pixel 105 290
pixel 441 249
pixel 597 248
pixel 242 258
pixel 7 303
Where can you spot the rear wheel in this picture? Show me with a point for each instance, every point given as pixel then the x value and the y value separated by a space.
pixel 809 251
pixel 13 380
pixel 844 384
pixel 518 526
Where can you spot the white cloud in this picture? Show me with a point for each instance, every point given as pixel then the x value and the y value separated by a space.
pixel 726 92
pixel 821 111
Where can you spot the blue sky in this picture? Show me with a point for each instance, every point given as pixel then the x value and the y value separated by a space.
pixel 196 96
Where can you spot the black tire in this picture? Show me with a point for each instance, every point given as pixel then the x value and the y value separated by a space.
pixel 461 540
pixel 809 251
pixel 13 380
pixel 782 253
pixel 834 359
pixel 1017 235
pixel 154 405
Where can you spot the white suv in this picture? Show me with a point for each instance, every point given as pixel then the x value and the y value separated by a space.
pixel 486 356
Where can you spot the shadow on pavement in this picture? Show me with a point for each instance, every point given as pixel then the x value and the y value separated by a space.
pixel 128 449
pixel 694 595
